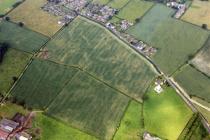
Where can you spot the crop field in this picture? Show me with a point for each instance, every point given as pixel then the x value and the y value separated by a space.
pixel 52 129
pixel 134 9
pixel 31 14
pixel 198 13
pixel 165 114
pixel 158 29
pixel 90 105
pixel 118 4
pixel 204 112
pixel 7 5
pixel 101 1
pixel 131 126
pixel 194 83
pixel 13 64
pixel 20 37
pixel 85 45
pixel 202 59
pixel 48 80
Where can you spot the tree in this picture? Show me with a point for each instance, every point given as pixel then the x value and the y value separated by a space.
pixel 137 20
pixel 21 24
pixel 14 78
pixel 3 49
pixel 7 18
pixel 204 26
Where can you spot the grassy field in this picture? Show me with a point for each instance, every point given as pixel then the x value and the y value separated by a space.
pixel 118 4
pixel 31 14
pixel 166 114
pixel 89 105
pixel 41 83
pixel 8 110
pixel 131 126
pixel 20 37
pixel 158 29
pixel 202 59
pixel 13 64
pixel 194 83
pixel 7 5
pixel 198 13
pixel 52 129
pixel 91 47
pixel 134 9
pixel 101 1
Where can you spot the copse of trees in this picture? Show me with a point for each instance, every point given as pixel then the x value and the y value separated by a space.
pixel 3 49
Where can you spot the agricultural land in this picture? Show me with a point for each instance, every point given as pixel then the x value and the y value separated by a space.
pixel 162 113
pixel 198 13
pixel 21 38
pixel 35 18
pixel 161 31
pixel 104 69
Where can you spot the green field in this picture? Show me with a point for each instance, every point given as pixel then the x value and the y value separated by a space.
pixel 20 37
pixel 165 114
pixel 131 126
pixel 194 83
pixel 7 5
pixel 13 64
pixel 118 4
pixel 97 51
pixel 41 83
pixel 176 41
pixel 52 129
pixel 134 9
pixel 202 59
pixel 8 110
pixel 89 105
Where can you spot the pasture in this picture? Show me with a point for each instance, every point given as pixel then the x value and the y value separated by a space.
pixel 13 64
pixel 161 31
pixel 31 14
pixel 89 105
pixel 52 129
pixel 165 114
pixel 194 82
pixel 202 59
pixel 118 4
pixel 134 9
pixel 21 38
pixel 198 13
pixel 131 126
pixel 41 83
pixel 7 5
pixel 94 49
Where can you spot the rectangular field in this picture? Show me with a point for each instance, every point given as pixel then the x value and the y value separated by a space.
pixel 194 83
pixel 175 40
pixel 202 59
pixel 131 126
pixel 198 13
pixel 134 9
pixel 52 129
pixel 31 14
pixel 20 37
pixel 165 114
pixel 41 83
pixel 13 64
pixel 117 4
pixel 89 105
pixel 7 5
pixel 87 45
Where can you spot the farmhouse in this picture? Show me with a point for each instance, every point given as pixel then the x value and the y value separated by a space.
pixel 11 128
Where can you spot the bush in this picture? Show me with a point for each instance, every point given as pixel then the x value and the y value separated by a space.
pixel 21 24
pixel 3 49
pixel 7 18
pixel 204 26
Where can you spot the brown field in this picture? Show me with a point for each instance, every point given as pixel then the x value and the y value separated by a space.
pixel 198 13
pixel 32 16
